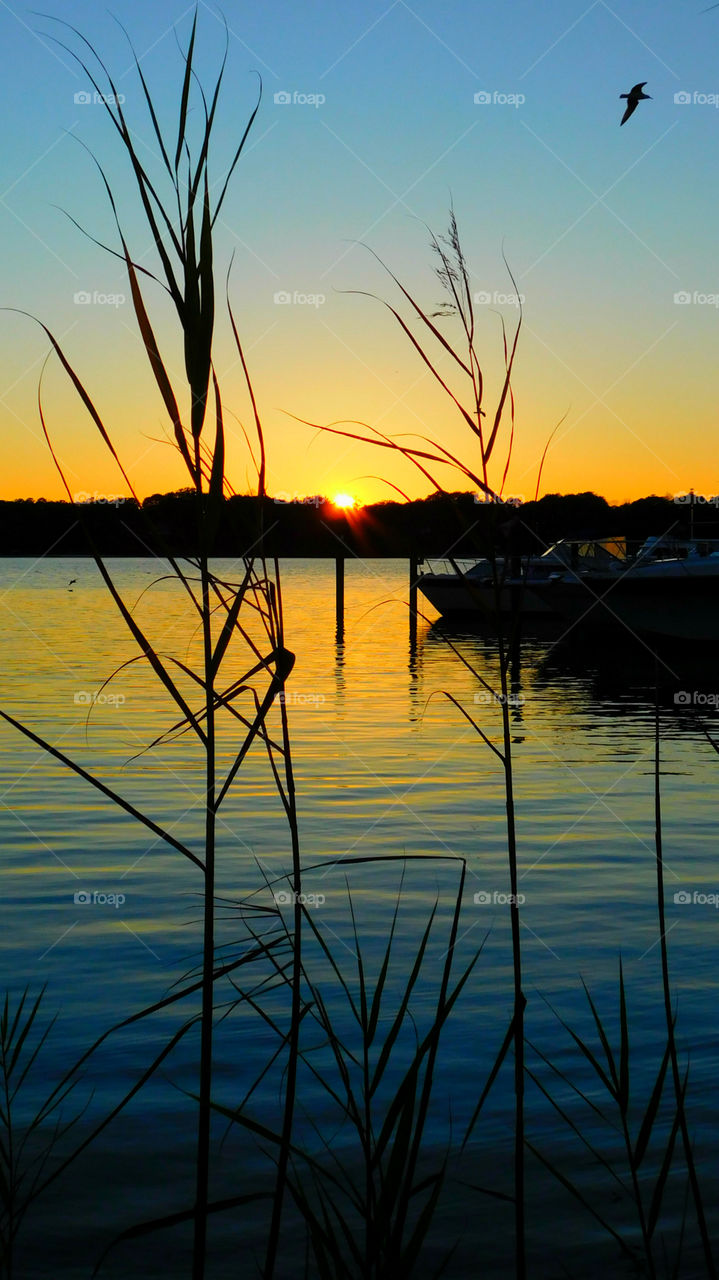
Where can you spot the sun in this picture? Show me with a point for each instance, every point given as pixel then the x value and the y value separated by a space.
pixel 345 501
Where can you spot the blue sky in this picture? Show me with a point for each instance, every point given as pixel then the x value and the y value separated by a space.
pixel 601 225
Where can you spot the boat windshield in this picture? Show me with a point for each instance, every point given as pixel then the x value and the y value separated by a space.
pixel 592 551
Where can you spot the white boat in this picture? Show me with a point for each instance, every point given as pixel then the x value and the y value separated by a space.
pixel 669 588
pixel 477 587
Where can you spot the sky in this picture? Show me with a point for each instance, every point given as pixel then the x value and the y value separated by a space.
pixel 373 119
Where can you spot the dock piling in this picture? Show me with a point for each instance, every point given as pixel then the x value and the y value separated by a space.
pixel 340 596
pixel 414 563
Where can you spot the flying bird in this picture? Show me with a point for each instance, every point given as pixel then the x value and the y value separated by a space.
pixel 633 98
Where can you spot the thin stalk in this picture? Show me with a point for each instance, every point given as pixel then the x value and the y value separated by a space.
pixel 293 1046
pixel 190 284
pixel 519 1001
pixel 671 1038
pixel 208 941
pixel 10 1162
pixel 646 1238
pixel 453 275
pixel 371 1243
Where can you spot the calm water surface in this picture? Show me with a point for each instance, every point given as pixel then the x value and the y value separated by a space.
pixel 384 764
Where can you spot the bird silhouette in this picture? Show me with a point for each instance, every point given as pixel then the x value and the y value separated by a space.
pixel 633 98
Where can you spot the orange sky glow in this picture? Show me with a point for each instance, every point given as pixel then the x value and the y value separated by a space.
pixel 616 355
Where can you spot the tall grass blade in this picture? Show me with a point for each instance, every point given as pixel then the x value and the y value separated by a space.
pixel 586 1204
pixel 652 1111
pixel 185 94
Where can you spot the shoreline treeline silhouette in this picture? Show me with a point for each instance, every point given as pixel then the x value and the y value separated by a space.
pixel 433 526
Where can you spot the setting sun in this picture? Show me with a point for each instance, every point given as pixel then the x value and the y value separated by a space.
pixel 344 500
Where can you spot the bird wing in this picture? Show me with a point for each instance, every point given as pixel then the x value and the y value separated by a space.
pixel 631 106
pixel 638 88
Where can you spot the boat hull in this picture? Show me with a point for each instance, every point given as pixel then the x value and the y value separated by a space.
pixel 453 595
pixel 681 605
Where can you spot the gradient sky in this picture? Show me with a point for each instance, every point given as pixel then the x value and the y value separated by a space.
pixel 601 225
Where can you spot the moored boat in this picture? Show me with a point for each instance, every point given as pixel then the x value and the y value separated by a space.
pixel 470 589
pixel 669 588
pixel 482 588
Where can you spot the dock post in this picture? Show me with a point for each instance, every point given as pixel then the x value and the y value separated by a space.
pixel 413 574
pixel 340 596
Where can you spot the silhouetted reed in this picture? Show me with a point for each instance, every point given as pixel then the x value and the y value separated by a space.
pixel 349 1035
pixel 486 435
pixel 182 228
pixel 464 360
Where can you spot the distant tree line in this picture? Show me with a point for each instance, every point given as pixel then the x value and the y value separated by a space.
pixel 441 524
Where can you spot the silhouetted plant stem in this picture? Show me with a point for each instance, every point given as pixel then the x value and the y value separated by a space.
pixel 519 1001
pixel 185 250
pixel 208 943
pixel 519 1005
pixel 671 1037
pixel 636 1189
pixel 9 1199
pixel 293 1047
pixel 296 1019
pixel 377 1066
pixel 453 274
pixel 28 1138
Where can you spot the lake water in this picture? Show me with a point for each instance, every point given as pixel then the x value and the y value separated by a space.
pixel 385 764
